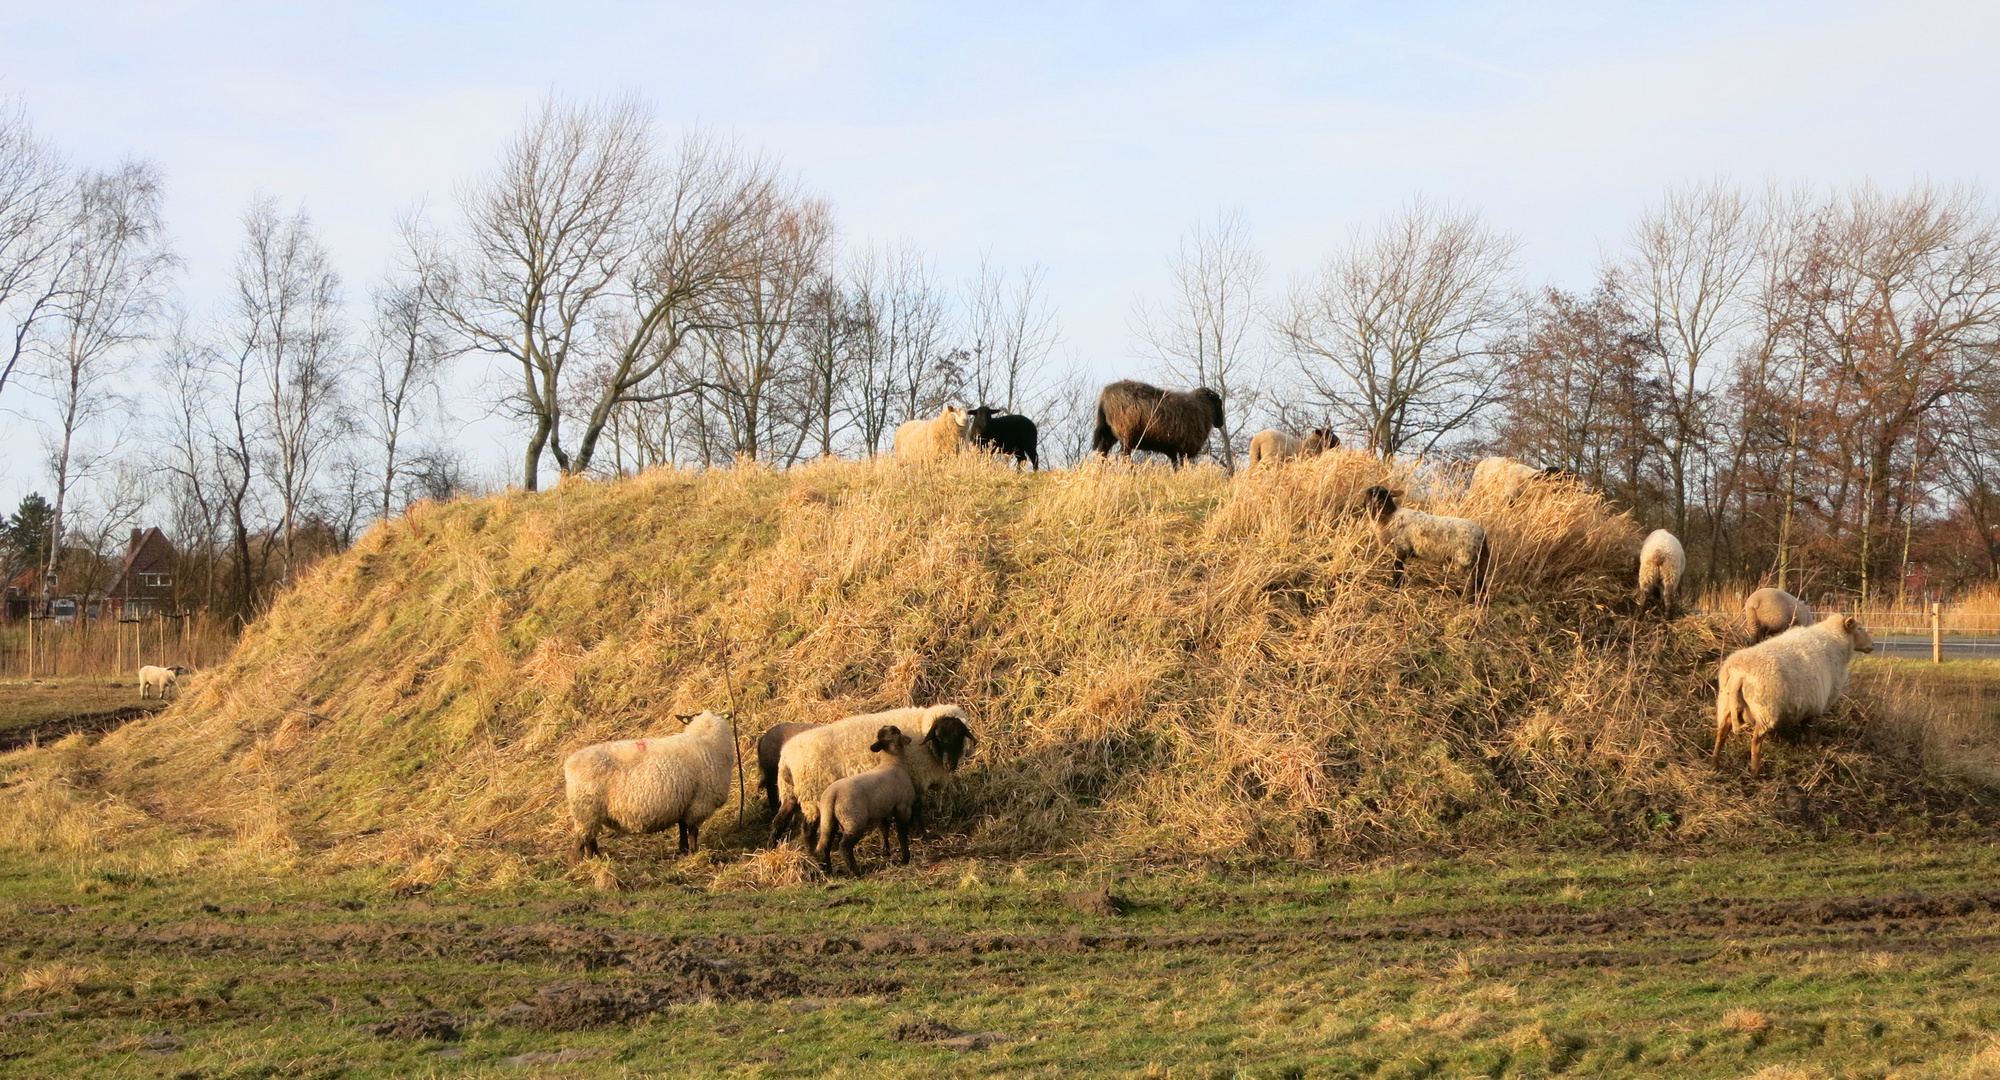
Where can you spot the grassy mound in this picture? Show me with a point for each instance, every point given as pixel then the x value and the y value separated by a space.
pixel 1159 663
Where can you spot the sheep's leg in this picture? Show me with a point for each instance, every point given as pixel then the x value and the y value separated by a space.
pixel 586 843
pixel 886 849
pixel 903 830
pixel 781 824
pixel 1396 573
pixel 1721 733
pixel 847 852
pixel 1756 741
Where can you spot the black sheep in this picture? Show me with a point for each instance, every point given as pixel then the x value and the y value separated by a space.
pixel 1003 433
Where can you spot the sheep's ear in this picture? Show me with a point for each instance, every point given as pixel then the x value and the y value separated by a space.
pixel 685 717
pixel 878 746
pixel 1396 494
pixel 1847 624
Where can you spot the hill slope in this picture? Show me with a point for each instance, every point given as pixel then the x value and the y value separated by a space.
pixel 1157 662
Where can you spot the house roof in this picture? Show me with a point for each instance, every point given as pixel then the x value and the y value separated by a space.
pixel 148 551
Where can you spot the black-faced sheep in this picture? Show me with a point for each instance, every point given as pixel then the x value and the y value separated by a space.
pixel 1773 611
pixel 645 785
pixel 929 440
pixel 1792 677
pixel 857 804
pixel 1413 534
pixel 1003 433
pixel 1662 563
pixel 156 681
pixel 1271 444
pixel 814 759
pixel 1135 416
pixel 769 746
pixel 1504 478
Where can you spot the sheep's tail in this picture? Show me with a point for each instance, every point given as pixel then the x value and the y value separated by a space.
pixel 1102 439
pixel 1729 710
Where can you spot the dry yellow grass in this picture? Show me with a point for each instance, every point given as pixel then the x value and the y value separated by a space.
pixel 1160 663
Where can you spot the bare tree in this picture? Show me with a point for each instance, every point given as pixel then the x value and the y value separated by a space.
pixel 1208 334
pixel 1692 257
pixel 410 346
pixel 291 342
pixel 37 217
pixel 548 236
pixel 1011 331
pixel 902 365
pixel 1398 330
pixel 111 276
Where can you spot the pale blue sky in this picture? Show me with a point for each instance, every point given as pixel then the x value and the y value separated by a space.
pixel 1084 137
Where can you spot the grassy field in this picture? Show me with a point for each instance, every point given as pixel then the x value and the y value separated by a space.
pixel 1851 957
pixel 26 704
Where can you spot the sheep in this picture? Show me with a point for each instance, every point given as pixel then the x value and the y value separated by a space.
pixel 857 804
pixel 1662 562
pixel 644 785
pixel 156 681
pixel 769 746
pixel 814 759
pixel 1135 416
pixel 1413 534
pixel 1773 611
pixel 929 440
pixel 1003 433
pixel 1271 444
pixel 1505 478
pixel 1793 677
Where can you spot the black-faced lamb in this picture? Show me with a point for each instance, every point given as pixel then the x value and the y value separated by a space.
pixel 1413 534
pixel 156 681
pixel 1773 611
pixel 929 440
pixel 769 746
pixel 644 785
pixel 1273 445
pixel 814 759
pixel 1136 416
pixel 1662 563
pixel 1792 677
pixel 1003 433
pixel 855 805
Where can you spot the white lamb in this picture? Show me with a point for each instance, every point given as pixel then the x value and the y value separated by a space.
pixel 1273 445
pixel 156 681
pixel 1504 479
pixel 1413 534
pixel 1773 611
pixel 1795 676
pixel 814 759
pixel 645 785
pixel 929 440
pixel 1662 563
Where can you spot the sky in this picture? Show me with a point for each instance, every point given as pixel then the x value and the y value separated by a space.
pixel 1083 138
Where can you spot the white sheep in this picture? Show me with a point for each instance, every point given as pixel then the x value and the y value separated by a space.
pixel 857 804
pixel 156 681
pixel 1413 534
pixel 814 759
pixel 1504 478
pixel 1795 676
pixel 1773 611
pixel 1273 445
pixel 645 785
pixel 929 440
pixel 1662 563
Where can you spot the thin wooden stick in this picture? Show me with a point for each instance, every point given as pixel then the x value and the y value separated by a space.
pixel 729 681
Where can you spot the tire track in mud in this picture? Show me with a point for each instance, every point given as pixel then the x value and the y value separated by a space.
pixel 1644 933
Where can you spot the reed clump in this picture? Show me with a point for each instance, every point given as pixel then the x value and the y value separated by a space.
pixel 1159 663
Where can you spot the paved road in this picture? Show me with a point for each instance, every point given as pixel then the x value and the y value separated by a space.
pixel 1919 648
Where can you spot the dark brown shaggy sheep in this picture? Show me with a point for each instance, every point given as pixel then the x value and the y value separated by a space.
pixel 1136 416
pixel 769 746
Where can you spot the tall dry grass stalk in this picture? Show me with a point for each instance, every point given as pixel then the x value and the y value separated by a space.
pixel 109 647
pixel 1159 663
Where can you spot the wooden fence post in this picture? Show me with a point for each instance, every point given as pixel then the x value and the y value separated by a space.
pixel 1937 632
